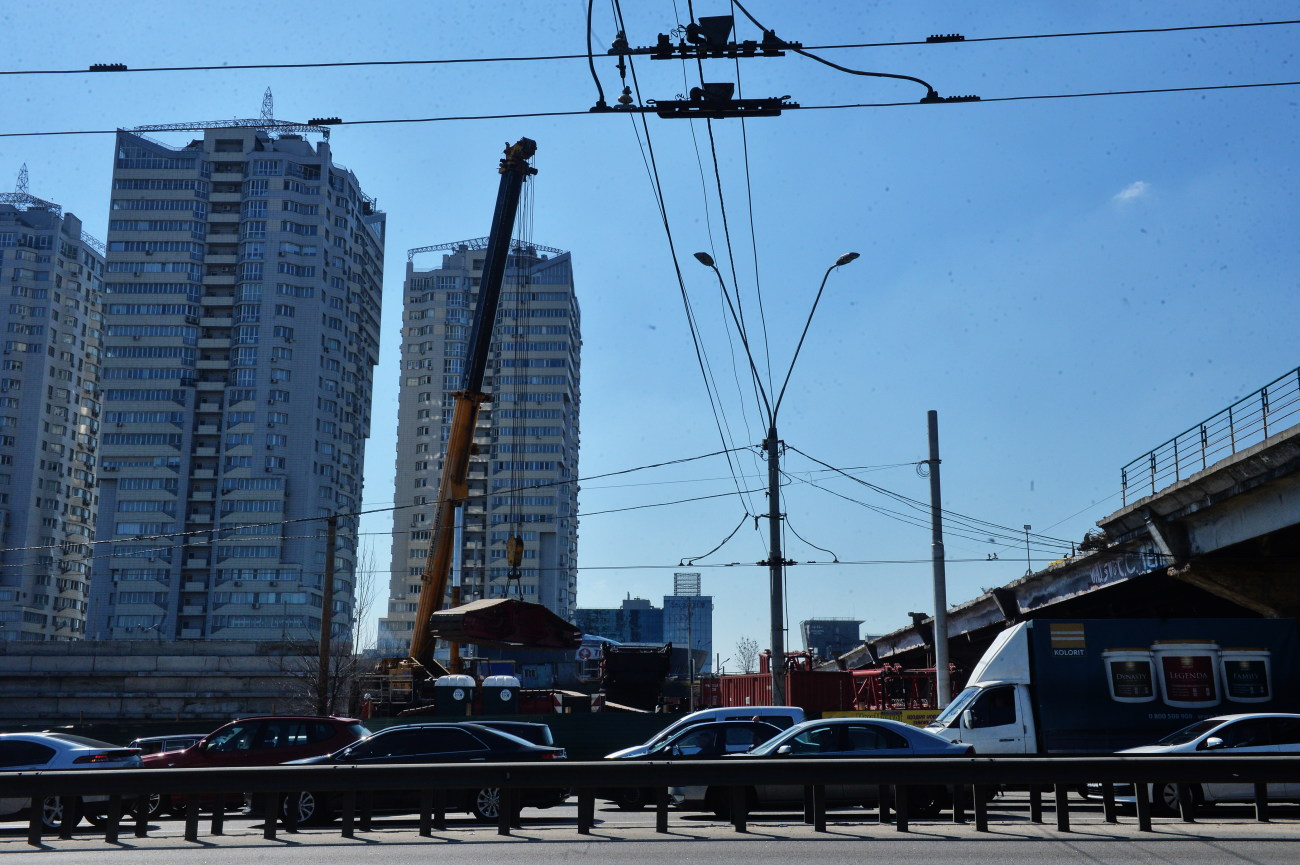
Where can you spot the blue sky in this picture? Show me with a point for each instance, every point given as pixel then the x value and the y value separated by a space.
pixel 1068 282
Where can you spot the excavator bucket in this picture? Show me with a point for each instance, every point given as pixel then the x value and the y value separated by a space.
pixel 505 622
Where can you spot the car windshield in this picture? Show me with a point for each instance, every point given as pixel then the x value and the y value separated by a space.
pixel 953 709
pixel 1190 732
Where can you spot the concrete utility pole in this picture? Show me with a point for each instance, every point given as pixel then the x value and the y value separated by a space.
pixel 942 681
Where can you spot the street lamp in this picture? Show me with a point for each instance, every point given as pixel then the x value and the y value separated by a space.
pixel 771 447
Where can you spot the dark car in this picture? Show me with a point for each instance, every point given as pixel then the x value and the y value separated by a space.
pixel 706 741
pixel 454 742
pixel 262 741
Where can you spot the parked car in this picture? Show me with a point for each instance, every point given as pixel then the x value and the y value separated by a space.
pixel 158 744
pixel 836 739
pixel 779 716
pixel 706 741
pixel 452 742
pixel 1248 733
pixel 30 752
pixel 262 741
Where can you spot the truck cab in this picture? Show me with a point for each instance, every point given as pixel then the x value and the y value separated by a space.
pixel 993 717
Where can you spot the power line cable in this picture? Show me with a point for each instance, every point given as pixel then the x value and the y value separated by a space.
pixel 445 61
pixel 1203 88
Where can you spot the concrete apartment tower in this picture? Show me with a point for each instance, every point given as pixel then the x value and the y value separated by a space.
pixel 523 482
pixel 50 274
pixel 241 311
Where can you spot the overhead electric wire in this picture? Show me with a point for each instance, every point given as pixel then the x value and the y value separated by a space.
pixel 971 523
pixel 984 100
pixel 232 67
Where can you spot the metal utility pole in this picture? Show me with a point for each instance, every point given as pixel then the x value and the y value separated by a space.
pixel 942 681
pixel 1029 565
pixel 326 618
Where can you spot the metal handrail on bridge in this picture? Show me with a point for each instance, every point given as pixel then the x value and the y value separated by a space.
pixel 1247 422
pixel 207 789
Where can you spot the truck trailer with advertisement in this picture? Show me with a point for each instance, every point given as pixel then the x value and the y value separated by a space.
pixel 1101 685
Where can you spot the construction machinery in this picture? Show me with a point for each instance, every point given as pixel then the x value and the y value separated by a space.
pixel 511 622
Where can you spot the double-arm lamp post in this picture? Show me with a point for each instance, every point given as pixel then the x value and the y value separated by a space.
pixel 771 447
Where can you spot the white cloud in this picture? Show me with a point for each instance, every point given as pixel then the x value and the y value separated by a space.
pixel 1136 189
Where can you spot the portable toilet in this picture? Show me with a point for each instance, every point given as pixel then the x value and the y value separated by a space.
pixel 500 695
pixel 453 695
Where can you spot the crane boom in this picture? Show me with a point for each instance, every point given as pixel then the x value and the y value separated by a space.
pixel 453 486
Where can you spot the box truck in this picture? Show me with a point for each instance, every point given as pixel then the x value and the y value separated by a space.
pixel 1101 685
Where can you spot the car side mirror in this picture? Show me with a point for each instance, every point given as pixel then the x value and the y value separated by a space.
pixel 1213 743
pixel 967 719
pixel 784 750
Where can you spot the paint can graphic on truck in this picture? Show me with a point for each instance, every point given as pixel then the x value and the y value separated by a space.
pixel 1130 675
pixel 1188 672
pixel 1247 674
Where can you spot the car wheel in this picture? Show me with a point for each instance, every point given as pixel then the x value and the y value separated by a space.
pixel 1164 798
pixel 309 807
pixel 486 805
pixel 151 804
pixel 631 799
pixel 718 800
pixel 926 802
pixel 58 812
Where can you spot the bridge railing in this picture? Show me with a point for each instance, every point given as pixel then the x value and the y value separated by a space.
pixel 206 790
pixel 1247 422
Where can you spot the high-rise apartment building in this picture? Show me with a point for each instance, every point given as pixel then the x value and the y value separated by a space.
pixel 241 310
pixel 523 481
pixel 688 618
pixel 50 275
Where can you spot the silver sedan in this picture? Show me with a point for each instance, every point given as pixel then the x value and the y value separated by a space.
pixel 836 739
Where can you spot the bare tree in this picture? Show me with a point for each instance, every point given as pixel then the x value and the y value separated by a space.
pixel 747 653
pixel 345 665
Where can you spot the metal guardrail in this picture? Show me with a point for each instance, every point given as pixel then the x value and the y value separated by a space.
pixel 1247 422
pixel 356 783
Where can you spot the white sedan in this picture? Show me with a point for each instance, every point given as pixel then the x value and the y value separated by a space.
pixel 1253 733
pixel 32 752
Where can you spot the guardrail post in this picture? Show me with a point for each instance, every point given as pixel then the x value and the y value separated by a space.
pixel 1261 803
pixel 1186 807
pixel 34 825
pixel 440 809
pixel 270 815
pixel 142 815
pixel 192 815
pixel 958 803
pixel 1062 795
pixel 506 810
pixel 1108 803
pixel 367 810
pixel 980 795
pixel 1142 804
pixel 661 810
pixel 65 825
pixel 1035 804
pixel 586 810
pixel 882 793
pixel 819 807
pixel 218 826
pixel 739 808
pixel 291 805
pixel 349 814
pixel 807 804
pixel 112 817
pixel 901 811
pixel 426 815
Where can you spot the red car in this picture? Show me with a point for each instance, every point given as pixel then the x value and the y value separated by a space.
pixel 266 741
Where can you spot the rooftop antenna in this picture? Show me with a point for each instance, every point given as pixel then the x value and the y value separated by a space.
pixel 268 108
pixel 22 181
